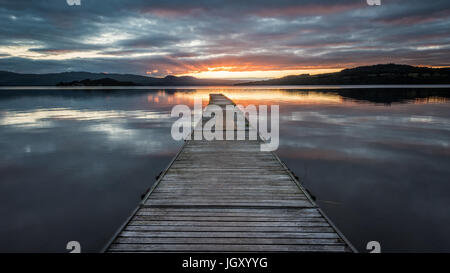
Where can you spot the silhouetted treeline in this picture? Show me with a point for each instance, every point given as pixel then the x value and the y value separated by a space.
pixel 100 82
pixel 52 79
pixel 375 74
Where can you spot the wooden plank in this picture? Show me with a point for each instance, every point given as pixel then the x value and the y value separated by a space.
pixel 228 212
pixel 225 248
pixel 257 203
pixel 214 234
pixel 234 198
pixel 224 218
pixel 219 241
pixel 137 222
pixel 226 195
pixel 228 229
pixel 306 212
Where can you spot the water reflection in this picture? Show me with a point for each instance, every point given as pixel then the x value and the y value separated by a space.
pixel 73 166
pixel 246 97
pixel 332 96
pixel 74 163
pixel 378 171
pixel 34 118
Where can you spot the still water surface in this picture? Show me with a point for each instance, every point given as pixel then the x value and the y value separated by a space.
pixel 74 163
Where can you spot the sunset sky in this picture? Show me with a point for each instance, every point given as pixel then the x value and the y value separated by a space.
pixel 220 39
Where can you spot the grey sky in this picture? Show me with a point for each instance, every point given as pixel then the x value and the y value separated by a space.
pixel 178 37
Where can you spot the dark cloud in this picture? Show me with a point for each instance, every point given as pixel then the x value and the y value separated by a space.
pixel 175 37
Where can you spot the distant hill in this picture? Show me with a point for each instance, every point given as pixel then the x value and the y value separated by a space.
pixel 100 82
pixel 375 74
pixel 52 79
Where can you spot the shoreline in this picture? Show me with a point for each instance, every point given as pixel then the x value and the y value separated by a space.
pixel 240 87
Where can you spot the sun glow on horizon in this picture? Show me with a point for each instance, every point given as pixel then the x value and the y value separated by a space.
pixel 228 73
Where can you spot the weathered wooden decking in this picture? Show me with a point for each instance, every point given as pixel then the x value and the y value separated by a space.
pixel 227 196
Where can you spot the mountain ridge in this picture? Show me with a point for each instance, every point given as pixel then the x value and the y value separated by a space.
pixel 373 74
pixel 51 79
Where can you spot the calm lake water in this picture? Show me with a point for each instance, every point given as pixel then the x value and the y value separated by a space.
pixel 74 163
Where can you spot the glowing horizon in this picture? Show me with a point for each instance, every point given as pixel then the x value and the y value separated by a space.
pixel 258 74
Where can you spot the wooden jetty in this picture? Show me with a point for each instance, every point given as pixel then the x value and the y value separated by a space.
pixel 227 196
